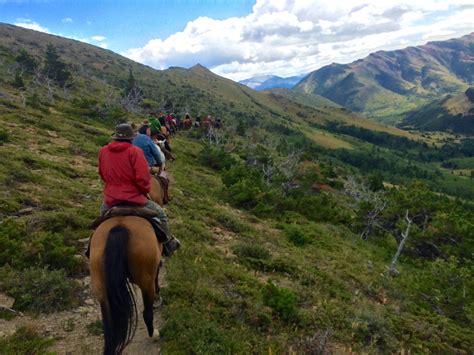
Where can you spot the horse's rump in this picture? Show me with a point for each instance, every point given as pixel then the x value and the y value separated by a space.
pixel 122 250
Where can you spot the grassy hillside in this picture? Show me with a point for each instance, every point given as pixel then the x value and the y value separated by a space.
pixel 387 84
pixel 270 210
pixel 452 113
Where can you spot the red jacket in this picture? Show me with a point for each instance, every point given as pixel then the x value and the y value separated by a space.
pixel 124 169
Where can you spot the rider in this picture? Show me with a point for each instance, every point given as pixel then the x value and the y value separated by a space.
pixel 150 149
pixel 124 169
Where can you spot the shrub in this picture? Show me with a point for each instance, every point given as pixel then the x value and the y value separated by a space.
pixel 253 251
pixel 21 250
pixel 231 223
pixel 102 140
pixel 281 300
pixel 297 235
pixel 39 290
pixel 372 327
pixel 95 328
pixel 244 194
pixel 445 287
pixel 4 136
pixel 25 341
pixel 216 158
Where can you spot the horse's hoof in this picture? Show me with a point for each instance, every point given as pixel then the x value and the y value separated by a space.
pixel 158 302
pixel 156 334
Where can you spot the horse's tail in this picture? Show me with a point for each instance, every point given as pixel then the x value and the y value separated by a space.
pixel 120 312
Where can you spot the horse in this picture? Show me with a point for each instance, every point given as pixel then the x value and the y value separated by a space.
pixel 157 193
pixel 165 132
pixel 188 122
pixel 125 250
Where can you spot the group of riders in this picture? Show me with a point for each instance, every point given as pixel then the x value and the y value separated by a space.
pixel 135 156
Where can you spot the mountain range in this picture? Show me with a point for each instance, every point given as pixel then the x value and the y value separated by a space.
pixel 264 82
pixel 386 85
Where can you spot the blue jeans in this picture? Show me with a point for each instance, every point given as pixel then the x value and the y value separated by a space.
pixel 152 206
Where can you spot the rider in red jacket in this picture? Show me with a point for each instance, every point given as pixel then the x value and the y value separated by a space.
pixel 124 169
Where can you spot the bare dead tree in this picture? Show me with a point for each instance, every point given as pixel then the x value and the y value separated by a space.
pixel 131 101
pixel 49 85
pixel 38 76
pixel 268 170
pixel 362 193
pixel 289 165
pixel 214 136
pixel 23 97
pixel 405 234
pixel 372 220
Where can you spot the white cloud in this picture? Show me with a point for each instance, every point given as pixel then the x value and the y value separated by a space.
pixel 98 38
pixel 103 45
pixel 67 20
pixel 31 25
pixel 288 37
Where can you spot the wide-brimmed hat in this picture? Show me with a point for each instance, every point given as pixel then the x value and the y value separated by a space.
pixel 124 131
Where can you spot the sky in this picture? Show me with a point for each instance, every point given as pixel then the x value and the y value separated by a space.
pixel 245 38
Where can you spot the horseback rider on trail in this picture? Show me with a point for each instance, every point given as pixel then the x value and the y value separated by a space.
pixel 125 170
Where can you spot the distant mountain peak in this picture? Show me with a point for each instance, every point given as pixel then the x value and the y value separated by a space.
pixel 264 82
pixel 199 67
pixel 388 84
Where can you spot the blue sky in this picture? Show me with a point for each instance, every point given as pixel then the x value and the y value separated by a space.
pixel 239 39
pixel 125 24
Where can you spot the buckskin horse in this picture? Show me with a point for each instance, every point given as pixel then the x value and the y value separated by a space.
pixel 125 250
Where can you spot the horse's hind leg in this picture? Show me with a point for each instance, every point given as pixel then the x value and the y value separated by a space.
pixel 148 298
pixel 157 281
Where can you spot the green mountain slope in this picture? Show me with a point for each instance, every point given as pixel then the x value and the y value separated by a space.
pixel 270 210
pixel 451 113
pixel 311 100
pixel 387 84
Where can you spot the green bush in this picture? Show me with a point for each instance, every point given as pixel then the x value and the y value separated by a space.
pixel 95 328
pixel 297 235
pixel 39 290
pixel 244 194
pixel 21 249
pixel 34 101
pixel 253 251
pixel 231 223
pixel 25 341
pixel 4 136
pixel 372 327
pixel 216 158
pixel 281 300
pixel 102 140
pixel 445 287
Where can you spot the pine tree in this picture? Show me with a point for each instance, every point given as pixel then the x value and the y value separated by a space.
pixel 27 63
pixel 18 81
pixel 132 95
pixel 54 68
pixel 132 87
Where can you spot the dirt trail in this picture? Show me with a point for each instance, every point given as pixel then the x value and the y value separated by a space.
pixel 70 328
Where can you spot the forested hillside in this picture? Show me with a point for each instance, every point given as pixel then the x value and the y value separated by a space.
pixel 290 215
pixel 387 84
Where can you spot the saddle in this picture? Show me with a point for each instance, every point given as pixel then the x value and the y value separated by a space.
pixel 130 210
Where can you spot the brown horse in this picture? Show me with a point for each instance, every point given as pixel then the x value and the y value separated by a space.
pixel 188 122
pixel 156 191
pixel 124 250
